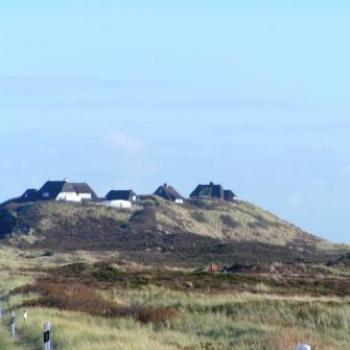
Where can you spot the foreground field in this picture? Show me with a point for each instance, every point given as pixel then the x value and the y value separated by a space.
pixel 100 307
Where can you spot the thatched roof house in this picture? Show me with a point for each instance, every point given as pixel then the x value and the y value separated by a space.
pixel 169 193
pixel 66 191
pixel 213 191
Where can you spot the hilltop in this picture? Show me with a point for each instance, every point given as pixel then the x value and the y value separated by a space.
pixel 160 231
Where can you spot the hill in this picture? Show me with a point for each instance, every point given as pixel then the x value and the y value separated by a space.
pixel 161 231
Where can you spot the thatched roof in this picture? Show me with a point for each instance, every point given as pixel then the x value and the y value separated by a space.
pixel 168 192
pixel 126 195
pixel 212 191
pixel 54 188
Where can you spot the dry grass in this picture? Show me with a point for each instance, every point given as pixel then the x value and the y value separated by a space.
pixel 240 221
pixel 79 297
pixel 115 318
pixel 95 315
pixel 228 325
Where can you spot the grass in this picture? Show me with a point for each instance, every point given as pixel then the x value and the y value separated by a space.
pixel 203 322
pixel 111 305
pixel 193 234
pixel 79 297
pixel 99 307
pixel 240 221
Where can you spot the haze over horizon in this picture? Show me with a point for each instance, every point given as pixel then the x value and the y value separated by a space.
pixel 252 96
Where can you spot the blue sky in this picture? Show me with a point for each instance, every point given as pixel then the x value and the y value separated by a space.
pixel 254 95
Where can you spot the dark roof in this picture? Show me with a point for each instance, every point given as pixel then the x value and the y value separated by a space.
pixel 29 195
pixel 126 195
pixel 54 188
pixel 229 195
pixel 212 191
pixel 168 192
pixel 81 187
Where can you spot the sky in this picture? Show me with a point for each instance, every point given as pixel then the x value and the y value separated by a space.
pixel 130 94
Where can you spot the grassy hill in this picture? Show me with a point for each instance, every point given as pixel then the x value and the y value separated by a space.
pixel 161 231
pixel 240 221
pixel 107 278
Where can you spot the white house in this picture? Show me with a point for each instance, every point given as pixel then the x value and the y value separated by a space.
pixel 122 199
pixel 66 191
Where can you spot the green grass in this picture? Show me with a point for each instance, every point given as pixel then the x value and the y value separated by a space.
pixel 205 321
pixel 211 319
pixel 245 322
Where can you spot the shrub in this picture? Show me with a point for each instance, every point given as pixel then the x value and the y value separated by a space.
pixel 228 221
pixel 78 297
pixel 199 216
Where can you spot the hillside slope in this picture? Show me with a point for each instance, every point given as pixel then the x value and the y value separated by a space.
pixel 240 221
pixel 197 231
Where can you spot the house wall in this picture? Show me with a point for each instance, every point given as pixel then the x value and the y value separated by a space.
pixel 85 196
pixel 69 197
pixel 179 201
pixel 121 204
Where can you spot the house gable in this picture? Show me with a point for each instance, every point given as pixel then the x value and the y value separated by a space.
pixel 169 193
pixel 127 195
pixel 66 191
pixel 213 191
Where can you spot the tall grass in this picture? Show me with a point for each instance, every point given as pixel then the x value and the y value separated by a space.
pixel 209 322
pixel 203 320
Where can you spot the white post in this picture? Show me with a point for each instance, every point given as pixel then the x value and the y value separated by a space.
pixel 47 336
pixel 303 347
pixel 25 316
pixel 13 324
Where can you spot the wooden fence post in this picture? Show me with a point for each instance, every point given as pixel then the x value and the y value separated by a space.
pixel 47 336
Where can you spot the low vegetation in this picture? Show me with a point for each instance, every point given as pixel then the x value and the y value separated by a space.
pixel 137 280
pixel 239 221
pixel 162 233
pixel 76 296
pixel 102 305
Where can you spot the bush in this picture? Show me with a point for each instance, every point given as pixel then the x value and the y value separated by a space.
pixel 78 297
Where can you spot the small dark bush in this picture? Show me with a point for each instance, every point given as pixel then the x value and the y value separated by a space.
pixel 200 217
pixel 124 225
pixel 48 253
pixel 106 274
pixel 228 221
